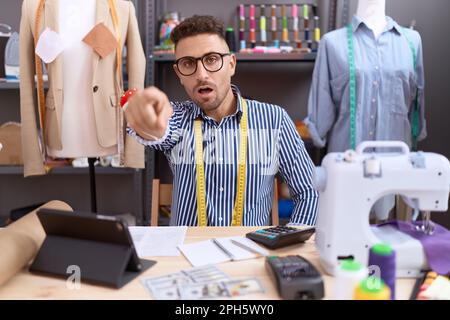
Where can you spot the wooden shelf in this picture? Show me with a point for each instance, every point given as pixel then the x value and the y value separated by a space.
pixel 9 85
pixel 15 85
pixel 18 170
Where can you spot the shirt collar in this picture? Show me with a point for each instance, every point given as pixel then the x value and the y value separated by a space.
pixel 391 24
pixel 198 112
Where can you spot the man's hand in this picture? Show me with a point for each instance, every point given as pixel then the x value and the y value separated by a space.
pixel 148 113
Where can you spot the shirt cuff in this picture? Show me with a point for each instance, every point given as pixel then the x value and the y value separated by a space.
pixel 146 142
pixel 318 141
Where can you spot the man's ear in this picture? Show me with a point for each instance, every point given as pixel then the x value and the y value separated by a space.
pixel 233 63
pixel 180 77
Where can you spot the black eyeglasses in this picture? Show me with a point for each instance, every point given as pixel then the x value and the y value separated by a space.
pixel 212 62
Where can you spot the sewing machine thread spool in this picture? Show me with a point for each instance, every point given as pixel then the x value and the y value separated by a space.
pixel 348 276
pixel 372 288
pixel 383 256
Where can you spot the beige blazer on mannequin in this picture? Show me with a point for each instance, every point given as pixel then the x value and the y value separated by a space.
pixel 104 89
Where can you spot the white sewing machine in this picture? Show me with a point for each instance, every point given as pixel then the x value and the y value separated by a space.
pixel 350 183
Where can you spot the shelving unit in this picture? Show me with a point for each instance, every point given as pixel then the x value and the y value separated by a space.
pixel 263 57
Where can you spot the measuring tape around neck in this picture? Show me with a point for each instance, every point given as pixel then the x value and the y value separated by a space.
pixel 240 189
pixel 352 86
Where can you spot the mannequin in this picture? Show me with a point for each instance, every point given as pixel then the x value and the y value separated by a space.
pixel 373 13
pixel 389 85
pixel 76 19
pixel 81 117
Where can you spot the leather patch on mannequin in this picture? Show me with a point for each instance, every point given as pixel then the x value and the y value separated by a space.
pixel 101 39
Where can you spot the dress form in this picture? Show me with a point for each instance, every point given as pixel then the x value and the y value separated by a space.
pixel 373 13
pixel 78 130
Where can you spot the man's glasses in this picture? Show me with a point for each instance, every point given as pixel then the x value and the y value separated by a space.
pixel 212 62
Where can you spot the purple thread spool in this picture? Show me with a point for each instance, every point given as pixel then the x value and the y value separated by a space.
pixel 383 256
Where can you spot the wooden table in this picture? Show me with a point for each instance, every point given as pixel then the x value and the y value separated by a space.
pixel 28 286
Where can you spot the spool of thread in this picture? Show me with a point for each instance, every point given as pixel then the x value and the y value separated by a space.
pixel 285 36
pixel 230 39
pixel 348 275
pixel 383 256
pixel 372 288
pixel 252 26
pixel 276 43
pixel 316 29
pixel 241 35
pixel 306 34
pixel 306 23
pixel 274 22
pixel 294 11
pixel 242 45
pixel 294 14
pixel 262 24
pixel 317 34
pixel 241 22
pixel 305 11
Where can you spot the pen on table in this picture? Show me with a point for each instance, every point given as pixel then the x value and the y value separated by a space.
pixel 228 253
pixel 243 246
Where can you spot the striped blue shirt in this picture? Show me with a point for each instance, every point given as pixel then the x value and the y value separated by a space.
pixel 274 146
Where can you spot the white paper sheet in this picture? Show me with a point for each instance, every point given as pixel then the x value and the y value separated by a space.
pixel 157 241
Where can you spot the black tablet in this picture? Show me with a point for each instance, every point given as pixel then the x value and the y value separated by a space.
pixel 101 245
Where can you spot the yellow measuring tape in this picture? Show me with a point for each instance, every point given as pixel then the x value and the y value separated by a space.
pixel 119 111
pixel 201 192
pixel 115 20
pixel 40 77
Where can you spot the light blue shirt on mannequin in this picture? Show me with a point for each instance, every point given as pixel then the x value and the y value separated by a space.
pixel 386 85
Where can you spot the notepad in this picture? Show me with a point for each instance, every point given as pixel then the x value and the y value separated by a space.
pixel 219 250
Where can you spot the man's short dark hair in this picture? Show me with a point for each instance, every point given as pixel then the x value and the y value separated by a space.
pixel 196 25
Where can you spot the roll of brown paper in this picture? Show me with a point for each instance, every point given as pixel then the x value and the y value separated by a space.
pixel 20 241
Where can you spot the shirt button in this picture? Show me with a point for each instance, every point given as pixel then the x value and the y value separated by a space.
pixel 220 219
pixel 221 189
pixel 220 159
pixel 95 88
pixel 377 68
pixel 375 83
pixel 372 117
pixel 374 100
pixel 371 133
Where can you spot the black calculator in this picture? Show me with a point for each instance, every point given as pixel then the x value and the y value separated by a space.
pixel 280 236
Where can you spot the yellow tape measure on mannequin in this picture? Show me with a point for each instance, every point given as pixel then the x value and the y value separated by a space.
pixel 115 20
pixel 39 75
pixel 240 190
